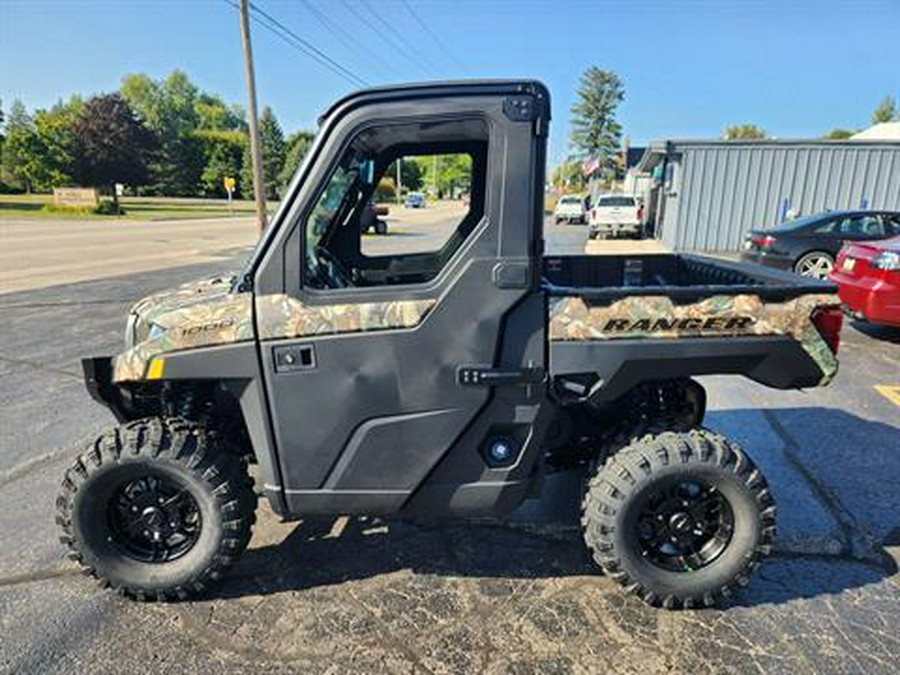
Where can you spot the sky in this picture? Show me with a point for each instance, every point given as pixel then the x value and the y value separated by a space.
pixel 797 68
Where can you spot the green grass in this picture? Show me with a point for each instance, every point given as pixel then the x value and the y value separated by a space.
pixel 16 207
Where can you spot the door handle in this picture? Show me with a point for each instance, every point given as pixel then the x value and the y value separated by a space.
pixel 290 358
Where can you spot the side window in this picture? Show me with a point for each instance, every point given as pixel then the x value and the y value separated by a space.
pixel 418 206
pixel 825 228
pixel 862 227
pixel 891 225
pixel 399 204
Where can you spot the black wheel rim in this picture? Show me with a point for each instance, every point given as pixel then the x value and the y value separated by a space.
pixel 153 519
pixel 684 525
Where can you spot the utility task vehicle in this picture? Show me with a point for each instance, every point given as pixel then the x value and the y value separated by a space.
pixel 445 377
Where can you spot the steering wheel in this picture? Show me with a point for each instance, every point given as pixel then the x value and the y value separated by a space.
pixel 331 270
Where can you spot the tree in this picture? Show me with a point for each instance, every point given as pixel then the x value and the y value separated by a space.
pixel 222 152
pixel 886 111
pixel 111 145
pixel 167 107
pixel 214 115
pixel 569 176
pixel 273 155
pixel 298 145
pixel 839 134
pixel 22 153
pixel 2 138
pixel 56 138
pixel 595 131
pixel 453 174
pixel 743 132
pixel 412 170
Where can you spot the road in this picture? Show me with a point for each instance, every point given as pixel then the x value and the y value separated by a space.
pixel 364 595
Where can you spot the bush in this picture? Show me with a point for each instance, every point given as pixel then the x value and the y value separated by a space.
pixel 69 210
pixel 108 208
pixel 385 191
pixel 6 189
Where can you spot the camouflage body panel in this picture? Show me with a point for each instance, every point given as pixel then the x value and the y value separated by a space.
pixel 151 309
pixel 220 321
pixel 206 314
pixel 656 317
pixel 282 316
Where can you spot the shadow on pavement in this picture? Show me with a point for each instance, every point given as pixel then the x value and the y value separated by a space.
pixel 326 551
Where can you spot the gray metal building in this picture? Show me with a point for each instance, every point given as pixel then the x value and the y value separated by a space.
pixel 706 195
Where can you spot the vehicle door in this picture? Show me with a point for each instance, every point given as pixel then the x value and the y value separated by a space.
pixel 366 340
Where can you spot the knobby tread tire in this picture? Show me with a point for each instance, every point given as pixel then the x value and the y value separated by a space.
pixel 617 478
pixel 198 453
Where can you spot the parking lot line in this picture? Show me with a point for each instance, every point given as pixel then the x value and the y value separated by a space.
pixel 890 392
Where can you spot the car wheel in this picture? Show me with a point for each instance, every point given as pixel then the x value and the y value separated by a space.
pixel 380 227
pixel 815 264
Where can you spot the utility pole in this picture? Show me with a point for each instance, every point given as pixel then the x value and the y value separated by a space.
pixel 434 187
pixel 259 187
pixel 399 180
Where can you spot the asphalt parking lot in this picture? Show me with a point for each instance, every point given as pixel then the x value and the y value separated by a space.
pixel 364 595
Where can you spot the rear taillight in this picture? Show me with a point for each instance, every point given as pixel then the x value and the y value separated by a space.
pixel 827 321
pixel 763 240
pixel 886 260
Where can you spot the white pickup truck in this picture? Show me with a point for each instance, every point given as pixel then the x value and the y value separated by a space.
pixel 569 209
pixel 613 215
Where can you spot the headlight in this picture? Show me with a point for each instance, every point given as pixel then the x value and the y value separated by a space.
pixel 886 260
pixel 155 331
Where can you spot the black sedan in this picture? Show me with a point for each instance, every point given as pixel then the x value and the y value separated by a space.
pixel 809 245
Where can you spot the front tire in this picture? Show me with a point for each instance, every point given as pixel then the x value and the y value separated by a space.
pixel 156 509
pixel 679 519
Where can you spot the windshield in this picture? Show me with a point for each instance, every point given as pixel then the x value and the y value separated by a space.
pixel 616 201
pixel 571 200
pixel 340 190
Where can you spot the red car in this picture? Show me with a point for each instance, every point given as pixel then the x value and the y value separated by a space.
pixel 868 273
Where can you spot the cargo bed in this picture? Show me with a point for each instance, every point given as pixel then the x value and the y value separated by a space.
pixel 622 317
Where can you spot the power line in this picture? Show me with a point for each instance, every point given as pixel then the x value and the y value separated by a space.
pixel 290 37
pixel 434 36
pixel 399 44
pixel 344 36
pixel 323 58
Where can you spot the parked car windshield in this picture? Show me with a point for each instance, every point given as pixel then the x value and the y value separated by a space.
pixel 570 200
pixel 616 201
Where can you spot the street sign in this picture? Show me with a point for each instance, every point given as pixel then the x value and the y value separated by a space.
pixel 229 184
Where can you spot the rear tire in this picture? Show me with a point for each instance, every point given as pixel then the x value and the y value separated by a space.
pixel 721 524
pixel 156 509
pixel 380 227
pixel 815 264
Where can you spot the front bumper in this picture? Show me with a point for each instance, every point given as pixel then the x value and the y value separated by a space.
pixel 98 382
